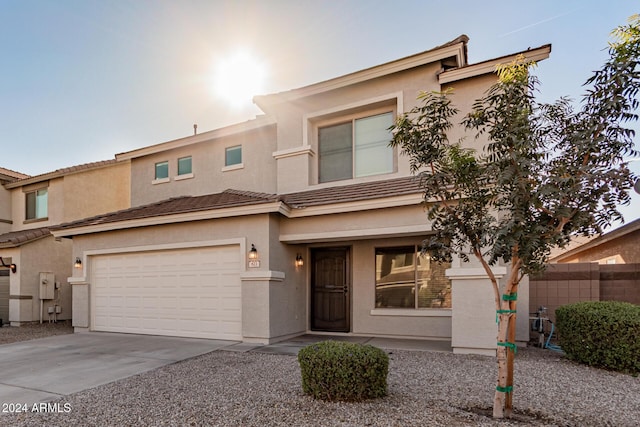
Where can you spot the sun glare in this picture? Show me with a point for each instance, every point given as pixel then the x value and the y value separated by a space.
pixel 239 77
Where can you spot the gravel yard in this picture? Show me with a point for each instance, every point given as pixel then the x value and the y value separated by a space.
pixel 425 389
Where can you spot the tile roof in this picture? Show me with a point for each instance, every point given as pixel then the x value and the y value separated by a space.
pixel 177 205
pixel 12 175
pixel 235 198
pixel 60 172
pixel 353 192
pixel 18 238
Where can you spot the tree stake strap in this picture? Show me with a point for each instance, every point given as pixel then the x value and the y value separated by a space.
pixel 512 346
pixel 507 389
pixel 504 312
pixel 510 297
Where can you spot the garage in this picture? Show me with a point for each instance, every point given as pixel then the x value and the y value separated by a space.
pixel 191 292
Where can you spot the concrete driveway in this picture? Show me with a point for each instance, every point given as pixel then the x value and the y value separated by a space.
pixel 45 369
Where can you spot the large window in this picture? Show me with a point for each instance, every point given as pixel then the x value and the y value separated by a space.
pixel 356 148
pixel 407 279
pixel 36 204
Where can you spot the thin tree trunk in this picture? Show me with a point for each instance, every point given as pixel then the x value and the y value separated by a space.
pixel 511 337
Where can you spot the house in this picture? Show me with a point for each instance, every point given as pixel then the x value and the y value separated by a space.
pixel 620 246
pixel 301 220
pixel 35 288
pixel 602 268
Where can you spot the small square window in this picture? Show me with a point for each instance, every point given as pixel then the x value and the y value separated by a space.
pixel 233 156
pixel 162 170
pixel 184 166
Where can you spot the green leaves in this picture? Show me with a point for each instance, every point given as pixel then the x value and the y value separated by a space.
pixel 547 171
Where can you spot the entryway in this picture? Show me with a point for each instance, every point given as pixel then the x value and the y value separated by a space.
pixel 330 290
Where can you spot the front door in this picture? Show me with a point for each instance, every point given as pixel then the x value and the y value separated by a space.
pixel 330 286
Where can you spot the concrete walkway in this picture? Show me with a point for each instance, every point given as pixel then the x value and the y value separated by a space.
pixel 45 369
pixel 48 368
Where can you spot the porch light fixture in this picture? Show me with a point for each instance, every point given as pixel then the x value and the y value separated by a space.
pixel 299 261
pixel 78 263
pixel 12 266
pixel 253 252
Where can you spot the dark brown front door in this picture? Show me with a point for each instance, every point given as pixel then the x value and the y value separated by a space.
pixel 330 288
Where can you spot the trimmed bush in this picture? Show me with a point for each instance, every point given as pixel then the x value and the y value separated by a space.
pixel 605 334
pixel 344 371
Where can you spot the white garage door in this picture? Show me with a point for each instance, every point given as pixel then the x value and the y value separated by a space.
pixel 186 292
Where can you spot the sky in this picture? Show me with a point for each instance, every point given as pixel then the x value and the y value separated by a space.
pixel 82 80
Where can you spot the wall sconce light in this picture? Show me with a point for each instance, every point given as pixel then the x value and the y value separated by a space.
pixel 12 266
pixel 78 263
pixel 299 261
pixel 253 252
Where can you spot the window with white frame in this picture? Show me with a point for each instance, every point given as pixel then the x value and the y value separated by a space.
pixel 184 166
pixel 407 279
pixel 356 148
pixel 37 204
pixel 233 156
pixel 162 170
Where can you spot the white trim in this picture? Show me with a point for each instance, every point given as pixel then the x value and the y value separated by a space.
pixel 347 108
pixel 489 67
pixel 418 60
pixel 183 176
pixel 412 312
pixel 232 167
pixel 296 151
pixel 258 276
pixel 160 181
pixel 368 233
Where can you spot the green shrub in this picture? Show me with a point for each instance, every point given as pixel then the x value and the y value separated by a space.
pixel 343 371
pixel 605 334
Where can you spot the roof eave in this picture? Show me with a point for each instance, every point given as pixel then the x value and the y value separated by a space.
pixel 489 66
pixel 456 48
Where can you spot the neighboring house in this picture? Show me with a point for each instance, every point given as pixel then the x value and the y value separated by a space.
pixel 301 220
pixel 620 246
pixel 603 268
pixel 38 289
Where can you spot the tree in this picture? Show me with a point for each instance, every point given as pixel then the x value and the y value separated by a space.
pixel 547 172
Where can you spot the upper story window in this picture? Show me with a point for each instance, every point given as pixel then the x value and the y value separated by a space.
pixel 357 148
pixel 233 156
pixel 407 279
pixel 162 170
pixel 36 204
pixel 184 166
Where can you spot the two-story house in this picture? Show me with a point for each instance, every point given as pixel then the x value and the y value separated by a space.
pixel 301 220
pixel 36 287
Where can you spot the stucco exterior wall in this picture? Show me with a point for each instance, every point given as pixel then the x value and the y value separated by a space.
pixel 44 255
pixel 208 161
pixel 464 94
pixel 5 210
pixel 367 320
pixel 96 191
pixel 75 196
pixel 297 122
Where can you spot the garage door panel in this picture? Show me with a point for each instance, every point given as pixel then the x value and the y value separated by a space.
pixel 191 293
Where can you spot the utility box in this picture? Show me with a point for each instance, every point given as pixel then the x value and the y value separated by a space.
pixel 47 285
